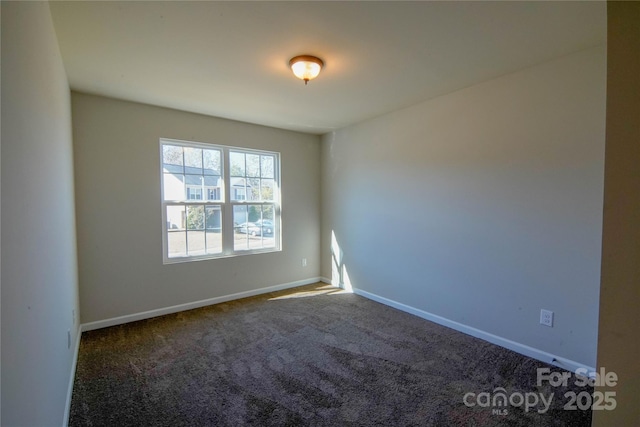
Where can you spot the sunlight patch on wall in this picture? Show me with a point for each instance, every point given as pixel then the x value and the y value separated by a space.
pixel 339 274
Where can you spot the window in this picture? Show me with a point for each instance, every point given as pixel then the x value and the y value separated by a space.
pixel 213 193
pixel 194 193
pixel 239 193
pixel 218 201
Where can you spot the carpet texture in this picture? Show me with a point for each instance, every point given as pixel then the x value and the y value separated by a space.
pixel 309 356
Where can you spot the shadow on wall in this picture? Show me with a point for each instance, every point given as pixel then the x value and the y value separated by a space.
pixel 339 273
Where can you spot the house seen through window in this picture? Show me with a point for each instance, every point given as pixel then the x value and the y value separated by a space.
pixel 218 201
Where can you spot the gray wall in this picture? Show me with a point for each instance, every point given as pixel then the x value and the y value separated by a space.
pixel 39 279
pixel 619 339
pixel 482 206
pixel 116 146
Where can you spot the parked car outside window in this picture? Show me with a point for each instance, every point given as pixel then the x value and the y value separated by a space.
pixel 258 228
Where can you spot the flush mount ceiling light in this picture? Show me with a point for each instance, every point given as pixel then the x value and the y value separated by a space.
pixel 306 67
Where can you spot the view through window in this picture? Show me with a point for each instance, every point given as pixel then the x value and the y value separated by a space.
pixel 218 200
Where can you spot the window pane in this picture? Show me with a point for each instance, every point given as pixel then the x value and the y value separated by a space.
pixel 176 244
pixel 172 159
pixel 267 189
pixel 255 213
pixel 214 242
pixel 253 165
pixel 242 226
pixel 195 217
pixel 268 212
pixel 195 243
pixel 213 228
pixel 267 167
pixel 211 160
pixel 173 185
pixel 238 190
pixel 253 189
pixel 213 218
pixel 240 215
pixel 175 218
pixel 237 163
pixel 267 227
pixel 176 237
pixel 193 160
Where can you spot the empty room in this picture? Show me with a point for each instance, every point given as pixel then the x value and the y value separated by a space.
pixel 320 213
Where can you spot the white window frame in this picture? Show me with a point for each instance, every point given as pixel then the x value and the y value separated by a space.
pixel 226 203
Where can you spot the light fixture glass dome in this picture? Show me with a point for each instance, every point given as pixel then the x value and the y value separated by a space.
pixel 306 67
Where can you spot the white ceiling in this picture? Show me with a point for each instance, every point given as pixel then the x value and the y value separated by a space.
pixel 230 59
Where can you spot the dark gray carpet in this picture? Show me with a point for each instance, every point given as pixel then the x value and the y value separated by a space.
pixel 310 356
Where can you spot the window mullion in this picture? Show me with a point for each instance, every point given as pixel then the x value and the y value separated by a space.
pixel 227 206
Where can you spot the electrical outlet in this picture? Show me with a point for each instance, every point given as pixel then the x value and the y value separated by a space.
pixel 546 317
pixel 304 262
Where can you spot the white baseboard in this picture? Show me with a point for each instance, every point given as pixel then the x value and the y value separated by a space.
pixel 191 305
pixel 72 376
pixel 534 353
